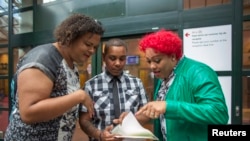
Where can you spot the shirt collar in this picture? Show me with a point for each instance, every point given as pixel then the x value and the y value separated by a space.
pixel 109 76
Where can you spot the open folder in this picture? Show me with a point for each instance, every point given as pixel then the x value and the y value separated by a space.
pixel 131 128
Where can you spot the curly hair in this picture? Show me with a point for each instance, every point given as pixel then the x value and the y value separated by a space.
pixel 164 41
pixel 75 26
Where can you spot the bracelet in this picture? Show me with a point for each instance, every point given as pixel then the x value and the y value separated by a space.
pixel 100 136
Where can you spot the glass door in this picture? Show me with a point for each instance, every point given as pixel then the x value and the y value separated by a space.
pixel 246 63
pixel 246 79
pixel 4 100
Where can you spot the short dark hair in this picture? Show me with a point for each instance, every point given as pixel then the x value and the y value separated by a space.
pixel 75 26
pixel 114 42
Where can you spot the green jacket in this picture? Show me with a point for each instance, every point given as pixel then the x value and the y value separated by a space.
pixel 194 100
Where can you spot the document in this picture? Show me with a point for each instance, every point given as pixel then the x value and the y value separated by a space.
pixel 132 130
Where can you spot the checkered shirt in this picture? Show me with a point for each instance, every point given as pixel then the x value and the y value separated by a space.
pixel 132 96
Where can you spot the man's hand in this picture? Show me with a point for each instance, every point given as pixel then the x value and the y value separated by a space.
pixel 120 119
pixel 106 135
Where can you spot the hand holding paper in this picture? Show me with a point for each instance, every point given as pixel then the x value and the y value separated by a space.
pixel 131 128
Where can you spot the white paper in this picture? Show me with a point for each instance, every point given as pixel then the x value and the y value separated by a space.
pixel 131 128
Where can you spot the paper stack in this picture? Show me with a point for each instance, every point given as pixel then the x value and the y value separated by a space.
pixel 132 130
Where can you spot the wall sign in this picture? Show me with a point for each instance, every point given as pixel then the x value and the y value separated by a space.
pixel 211 45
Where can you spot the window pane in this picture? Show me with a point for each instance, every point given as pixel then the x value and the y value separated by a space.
pixel 3 6
pixel 4 29
pixel 84 71
pixel 22 3
pixel 246 101
pixel 17 54
pixel 4 118
pixel 246 7
pixel 3 61
pixel 192 4
pixel 4 91
pixel 23 22
pixel 45 1
pixel 246 45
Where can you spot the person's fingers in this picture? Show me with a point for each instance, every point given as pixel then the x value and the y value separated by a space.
pixel 156 114
pixel 142 110
pixel 138 112
pixel 160 107
pixel 149 113
pixel 109 128
pixel 116 121
pixel 122 116
pixel 152 110
pixel 120 119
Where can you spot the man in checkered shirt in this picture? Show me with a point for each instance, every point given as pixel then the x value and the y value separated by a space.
pixel 131 93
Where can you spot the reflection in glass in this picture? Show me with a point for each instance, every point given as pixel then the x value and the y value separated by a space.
pixel 246 7
pixel 4 118
pixel 193 4
pixel 84 71
pixel 22 3
pixel 44 1
pixel 4 50
pixel 3 62
pixel 17 54
pixel 246 101
pixel 246 45
pixel 3 6
pixel 23 22
pixel 4 29
pixel 3 92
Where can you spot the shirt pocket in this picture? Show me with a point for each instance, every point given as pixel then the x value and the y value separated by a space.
pixel 101 100
pixel 132 99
